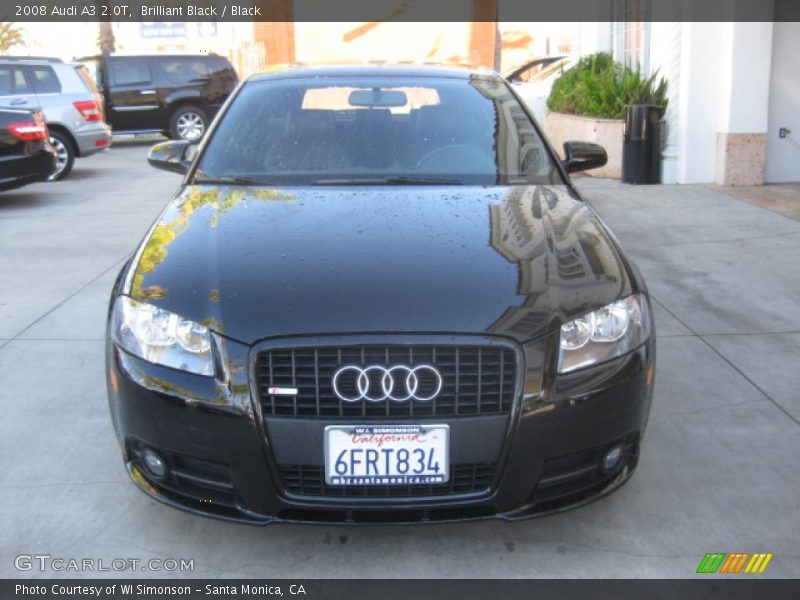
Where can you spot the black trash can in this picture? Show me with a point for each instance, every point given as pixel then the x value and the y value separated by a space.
pixel 641 145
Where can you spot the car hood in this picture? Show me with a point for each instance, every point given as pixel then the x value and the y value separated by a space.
pixel 255 262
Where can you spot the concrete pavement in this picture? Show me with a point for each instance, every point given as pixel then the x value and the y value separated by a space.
pixel 718 470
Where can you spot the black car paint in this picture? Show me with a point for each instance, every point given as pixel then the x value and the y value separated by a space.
pixel 157 96
pixel 290 266
pixel 22 162
pixel 323 260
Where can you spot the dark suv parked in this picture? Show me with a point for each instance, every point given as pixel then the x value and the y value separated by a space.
pixel 176 95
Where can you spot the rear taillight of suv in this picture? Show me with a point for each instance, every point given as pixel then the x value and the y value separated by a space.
pixel 28 131
pixel 89 109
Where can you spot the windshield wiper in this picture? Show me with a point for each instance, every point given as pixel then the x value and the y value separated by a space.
pixel 423 181
pixel 246 180
pixel 233 180
pixel 390 181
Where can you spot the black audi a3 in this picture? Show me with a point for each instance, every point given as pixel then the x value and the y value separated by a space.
pixel 377 297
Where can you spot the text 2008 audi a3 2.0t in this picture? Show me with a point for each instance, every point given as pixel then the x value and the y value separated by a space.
pixel 378 297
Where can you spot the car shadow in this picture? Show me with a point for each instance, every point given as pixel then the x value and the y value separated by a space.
pixel 140 141
pixel 20 199
pixel 82 173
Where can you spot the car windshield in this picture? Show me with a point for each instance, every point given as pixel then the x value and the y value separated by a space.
pixel 372 130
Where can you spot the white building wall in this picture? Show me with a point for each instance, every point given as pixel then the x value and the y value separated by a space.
pixel 746 67
pixel 746 54
pixel 718 92
pixel 700 98
pixel 665 58
pixel 593 37
pixel 783 154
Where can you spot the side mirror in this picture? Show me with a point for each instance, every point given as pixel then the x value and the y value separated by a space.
pixel 170 156
pixel 581 156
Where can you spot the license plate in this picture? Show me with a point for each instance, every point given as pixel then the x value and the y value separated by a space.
pixel 387 454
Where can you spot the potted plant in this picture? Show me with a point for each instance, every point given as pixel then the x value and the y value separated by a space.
pixel 588 102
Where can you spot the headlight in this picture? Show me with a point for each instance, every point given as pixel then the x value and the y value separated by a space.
pixel 161 337
pixel 606 333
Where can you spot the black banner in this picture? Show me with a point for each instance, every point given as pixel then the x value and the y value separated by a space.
pixel 398 10
pixel 416 589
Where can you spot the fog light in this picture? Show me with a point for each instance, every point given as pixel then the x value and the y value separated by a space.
pixel 613 458
pixel 154 464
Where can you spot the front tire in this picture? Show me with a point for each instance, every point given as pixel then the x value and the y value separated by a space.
pixel 65 152
pixel 188 123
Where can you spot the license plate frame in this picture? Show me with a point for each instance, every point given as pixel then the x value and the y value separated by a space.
pixel 432 438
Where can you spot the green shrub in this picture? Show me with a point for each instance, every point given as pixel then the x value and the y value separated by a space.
pixel 600 87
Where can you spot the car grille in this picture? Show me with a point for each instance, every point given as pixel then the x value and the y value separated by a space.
pixel 310 481
pixel 477 380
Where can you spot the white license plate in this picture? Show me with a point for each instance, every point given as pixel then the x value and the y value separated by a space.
pixel 387 454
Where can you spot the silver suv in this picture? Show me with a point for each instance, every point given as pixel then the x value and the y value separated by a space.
pixel 68 98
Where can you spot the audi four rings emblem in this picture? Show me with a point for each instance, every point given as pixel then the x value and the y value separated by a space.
pixel 375 383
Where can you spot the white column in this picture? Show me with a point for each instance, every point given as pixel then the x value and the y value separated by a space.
pixel 665 57
pixel 718 77
pixel 783 153
pixel 701 99
pixel 742 133
pixel 593 37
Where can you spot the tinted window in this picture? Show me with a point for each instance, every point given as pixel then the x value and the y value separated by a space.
pixel 91 67
pixel 129 71
pixel 12 81
pixel 348 130
pixel 183 70
pixel 218 63
pixel 21 85
pixel 6 81
pixel 83 72
pixel 44 80
pixel 220 66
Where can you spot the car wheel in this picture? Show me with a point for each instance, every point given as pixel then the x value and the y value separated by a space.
pixel 188 123
pixel 65 155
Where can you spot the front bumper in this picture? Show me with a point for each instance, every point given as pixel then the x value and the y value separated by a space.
pixel 221 451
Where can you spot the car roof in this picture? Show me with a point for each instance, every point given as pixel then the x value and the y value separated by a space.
pixel 39 60
pixel 20 57
pixel 301 71
pixel 153 55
